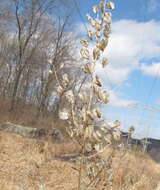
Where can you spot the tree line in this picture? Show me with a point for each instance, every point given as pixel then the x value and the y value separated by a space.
pixel 34 33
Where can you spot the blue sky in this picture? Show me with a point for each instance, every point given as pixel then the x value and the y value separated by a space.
pixel 133 76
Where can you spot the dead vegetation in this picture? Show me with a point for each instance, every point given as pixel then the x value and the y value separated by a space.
pixel 31 164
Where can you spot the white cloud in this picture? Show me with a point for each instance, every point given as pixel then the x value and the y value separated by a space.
pixel 152 70
pixel 118 101
pixel 129 44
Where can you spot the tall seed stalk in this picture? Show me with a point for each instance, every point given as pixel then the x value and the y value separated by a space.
pixel 86 125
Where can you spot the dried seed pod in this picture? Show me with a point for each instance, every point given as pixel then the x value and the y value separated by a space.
pixel 80 130
pixel 97 81
pixel 104 129
pixel 50 72
pixel 105 62
pixel 88 131
pixel 95 89
pixel 89 18
pixel 107 18
pixel 97 113
pixel 103 96
pixel 70 96
pixel 89 116
pixel 102 6
pixel 97 147
pixel 61 66
pixel 96 54
pixel 102 44
pixel 85 53
pixel 97 25
pixel 50 61
pixel 64 114
pixel 98 134
pixel 97 34
pixel 116 124
pixel 89 68
pixel 117 135
pixel 65 79
pixel 83 97
pixel 107 31
pixel 108 138
pixel 84 42
pixel 93 23
pixel 60 89
pixel 70 131
pixel 95 137
pixel 95 9
pixel 83 114
pixel 111 5
pixel 90 35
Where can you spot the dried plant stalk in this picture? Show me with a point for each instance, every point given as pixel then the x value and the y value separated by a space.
pixel 87 125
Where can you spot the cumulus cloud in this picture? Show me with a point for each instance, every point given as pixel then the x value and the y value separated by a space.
pixel 152 70
pixel 118 101
pixel 130 43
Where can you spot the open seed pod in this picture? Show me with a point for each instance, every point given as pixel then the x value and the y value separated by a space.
pixel 95 9
pixel 90 35
pixel 89 116
pixel 97 113
pixel 64 114
pixel 116 124
pixel 102 44
pixel 97 34
pixel 50 61
pixel 84 42
pixel 50 72
pixel 108 138
pixel 111 5
pixel 102 6
pixel 70 131
pixel 96 54
pixel 107 18
pixel 65 79
pixel 105 62
pixel 69 96
pixel 85 53
pixel 88 131
pixel 97 25
pixel 117 135
pixel 96 137
pixel 107 31
pixel 83 97
pixel 97 81
pixel 103 96
pixel 89 68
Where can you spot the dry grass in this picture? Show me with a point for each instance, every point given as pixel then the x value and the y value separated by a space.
pixel 26 115
pixel 30 164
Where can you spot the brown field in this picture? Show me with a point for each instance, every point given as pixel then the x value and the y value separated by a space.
pixel 30 164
